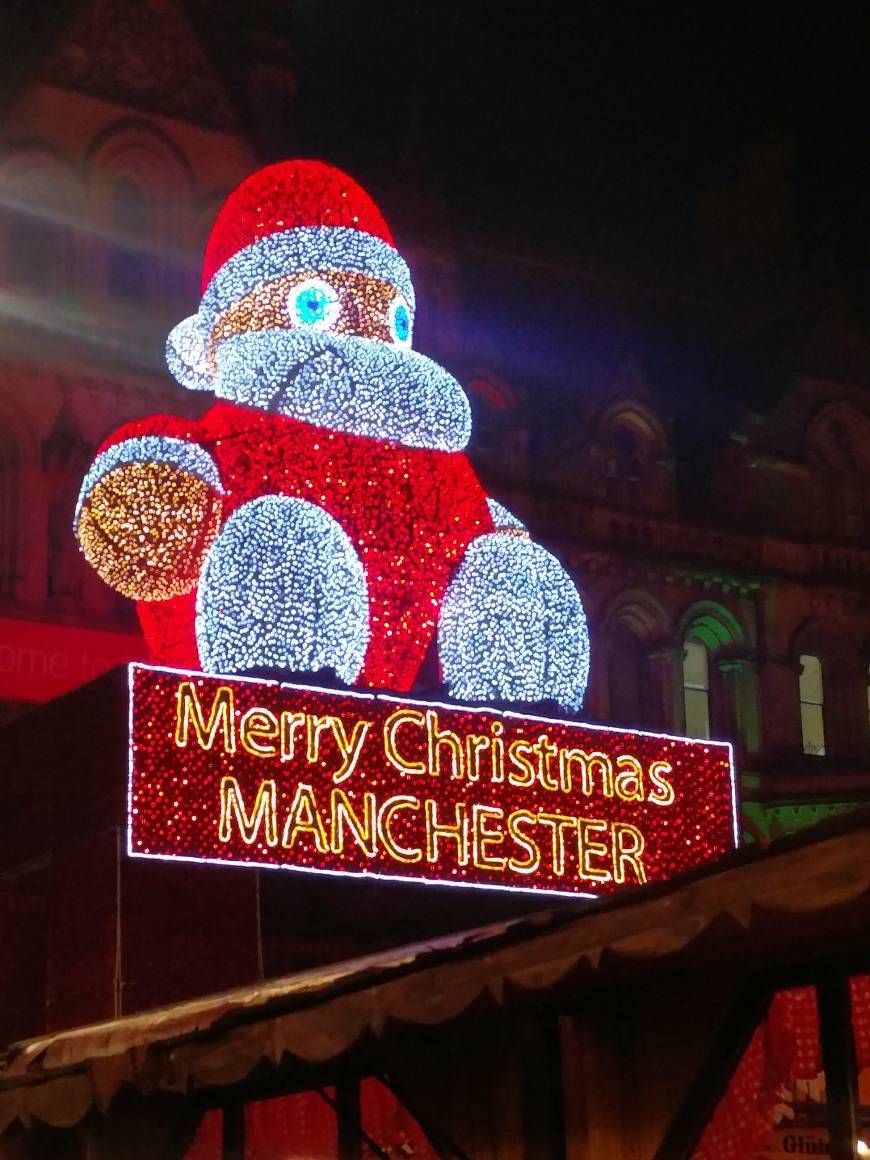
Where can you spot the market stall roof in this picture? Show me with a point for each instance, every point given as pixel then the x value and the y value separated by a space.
pixel 783 903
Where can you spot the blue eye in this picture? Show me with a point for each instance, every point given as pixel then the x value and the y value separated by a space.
pixel 399 321
pixel 314 303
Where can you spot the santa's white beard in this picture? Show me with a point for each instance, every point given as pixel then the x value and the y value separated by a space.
pixel 357 385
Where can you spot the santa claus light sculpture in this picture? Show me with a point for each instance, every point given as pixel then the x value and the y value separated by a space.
pixel 323 513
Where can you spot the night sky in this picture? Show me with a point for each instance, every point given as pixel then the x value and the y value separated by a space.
pixel 722 148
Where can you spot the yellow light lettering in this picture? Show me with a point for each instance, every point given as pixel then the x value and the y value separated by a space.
pixel 629 779
pixel 588 848
pixel 628 844
pixel 588 763
pixel 316 726
pixel 437 740
pixel 483 837
pixel 496 749
pixel 350 748
pixel 662 792
pixel 303 818
pixel 290 722
pixel 385 815
pixel 392 725
pixel 435 830
pixel 517 751
pixel 189 711
pixel 255 727
pixel 559 824
pixel 262 814
pixel 545 749
pixel 362 831
pixel 473 744
pixel 531 848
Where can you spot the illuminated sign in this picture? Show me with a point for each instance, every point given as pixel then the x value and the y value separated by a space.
pixel 232 770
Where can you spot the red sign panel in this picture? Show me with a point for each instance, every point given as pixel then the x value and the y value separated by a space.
pixel 39 661
pixel 267 774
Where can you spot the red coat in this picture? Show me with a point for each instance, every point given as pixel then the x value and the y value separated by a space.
pixel 411 513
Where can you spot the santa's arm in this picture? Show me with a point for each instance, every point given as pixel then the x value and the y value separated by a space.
pixel 149 508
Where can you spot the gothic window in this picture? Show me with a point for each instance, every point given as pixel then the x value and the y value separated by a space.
pixel 33 250
pixel 633 463
pixel 839 459
pixel 718 678
pixel 624 468
pixel 696 688
pixel 637 664
pixel 625 676
pixel 132 227
pixel 812 697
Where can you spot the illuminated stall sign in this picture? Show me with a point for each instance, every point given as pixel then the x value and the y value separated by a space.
pixel 266 774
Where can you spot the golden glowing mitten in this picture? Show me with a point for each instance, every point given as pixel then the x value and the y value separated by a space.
pixel 146 528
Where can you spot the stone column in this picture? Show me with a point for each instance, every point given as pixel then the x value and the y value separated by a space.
pixel 665 684
pixel 740 702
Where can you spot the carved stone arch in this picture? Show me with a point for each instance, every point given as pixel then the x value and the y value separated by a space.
pixel 641 614
pixel 838 455
pixel 821 632
pixel 629 458
pixel 712 623
pixel 142 197
pixel 838 440
pixel 139 152
pixel 719 681
pixel 636 630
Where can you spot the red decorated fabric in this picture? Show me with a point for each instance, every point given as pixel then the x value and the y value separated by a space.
pixel 297 1127
pixel 208 1141
pixel 390 1125
pixel 287 196
pixel 784 1048
pixel 410 513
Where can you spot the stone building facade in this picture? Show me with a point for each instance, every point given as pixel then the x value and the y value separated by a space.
pixel 723 567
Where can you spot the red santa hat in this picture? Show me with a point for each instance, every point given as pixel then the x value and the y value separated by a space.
pixel 294 217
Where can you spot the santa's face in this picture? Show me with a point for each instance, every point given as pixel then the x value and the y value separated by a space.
pixel 333 348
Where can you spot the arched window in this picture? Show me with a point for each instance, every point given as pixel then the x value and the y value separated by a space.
pixel 719 684
pixel 638 662
pixel 632 453
pixel 838 452
pixel 696 688
pixel 33 251
pixel 812 697
pixel 132 227
pixel 625 677
pixel 624 468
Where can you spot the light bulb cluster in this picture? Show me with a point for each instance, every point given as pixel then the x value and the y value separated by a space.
pixel 316 516
pixel 148 510
pixel 346 383
pixel 282 588
pixel 512 626
pixel 330 301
